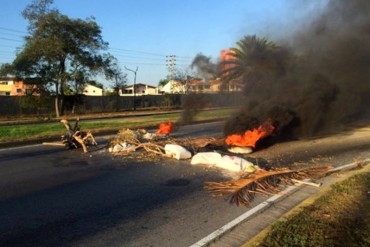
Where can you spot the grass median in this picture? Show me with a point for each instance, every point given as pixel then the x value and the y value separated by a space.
pixel 29 132
pixel 339 217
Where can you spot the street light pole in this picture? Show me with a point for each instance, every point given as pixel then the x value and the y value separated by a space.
pixel 134 91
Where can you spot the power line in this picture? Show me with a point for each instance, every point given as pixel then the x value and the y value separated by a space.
pixel 111 48
pixel 146 58
pixel 12 30
pixel 152 56
pixel 152 64
pixel 2 51
pixel 11 39
pixel 119 52
pixel 11 34
pixel 143 52
pixel 8 46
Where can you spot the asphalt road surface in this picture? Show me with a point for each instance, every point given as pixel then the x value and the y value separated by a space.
pixel 55 197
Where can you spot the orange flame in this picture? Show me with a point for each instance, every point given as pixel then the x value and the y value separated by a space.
pixel 165 128
pixel 250 137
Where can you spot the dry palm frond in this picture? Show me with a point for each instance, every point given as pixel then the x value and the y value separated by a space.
pixel 243 190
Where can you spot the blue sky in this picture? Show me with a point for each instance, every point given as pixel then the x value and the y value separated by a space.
pixel 143 32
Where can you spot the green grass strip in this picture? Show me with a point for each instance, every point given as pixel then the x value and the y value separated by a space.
pixel 340 217
pixel 15 133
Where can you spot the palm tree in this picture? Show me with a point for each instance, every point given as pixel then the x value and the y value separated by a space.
pixel 253 59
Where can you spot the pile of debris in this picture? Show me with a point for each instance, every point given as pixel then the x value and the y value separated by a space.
pixel 128 141
pixel 248 178
pixel 205 151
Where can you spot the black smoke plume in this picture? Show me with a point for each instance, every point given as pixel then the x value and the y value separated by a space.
pixel 192 103
pixel 324 81
pixel 204 67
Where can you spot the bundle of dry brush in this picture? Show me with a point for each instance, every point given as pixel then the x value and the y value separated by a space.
pixel 75 138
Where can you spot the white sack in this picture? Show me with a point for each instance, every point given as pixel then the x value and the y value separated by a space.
pixel 178 152
pixel 240 150
pixel 149 136
pixel 235 164
pixel 206 158
pixel 120 147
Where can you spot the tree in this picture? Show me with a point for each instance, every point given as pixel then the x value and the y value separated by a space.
pixel 180 75
pixel 253 59
pixel 118 78
pixel 96 84
pixel 59 49
pixel 115 74
pixel 162 83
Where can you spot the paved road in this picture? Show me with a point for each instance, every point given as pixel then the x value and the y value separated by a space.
pixel 54 197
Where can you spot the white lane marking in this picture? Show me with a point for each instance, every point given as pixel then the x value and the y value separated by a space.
pixel 20 147
pixel 264 205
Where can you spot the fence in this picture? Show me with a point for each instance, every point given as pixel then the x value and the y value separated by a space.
pixel 24 105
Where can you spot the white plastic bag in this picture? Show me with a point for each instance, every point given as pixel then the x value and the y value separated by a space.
pixel 176 151
pixel 240 150
pixel 121 147
pixel 149 136
pixel 206 158
pixel 235 164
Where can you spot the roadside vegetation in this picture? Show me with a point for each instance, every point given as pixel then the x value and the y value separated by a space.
pixel 29 132
pixel 340 217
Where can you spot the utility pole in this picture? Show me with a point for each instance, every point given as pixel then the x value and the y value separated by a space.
pixel 171 63
pixel 134 91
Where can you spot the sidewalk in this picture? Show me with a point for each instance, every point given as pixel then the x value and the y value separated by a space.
pixel 254 224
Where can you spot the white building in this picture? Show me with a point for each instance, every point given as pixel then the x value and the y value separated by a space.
pixel 140 89
pixel 174 87
pixel 91 90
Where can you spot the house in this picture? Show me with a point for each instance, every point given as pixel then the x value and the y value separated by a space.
pixel 173 87
pixel 235 86
pixel 140 89
pixel 90 90
pixel 213 86
pixel 9 86
pixel 198 86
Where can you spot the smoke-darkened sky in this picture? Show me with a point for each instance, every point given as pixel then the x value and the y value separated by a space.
pixel 326 79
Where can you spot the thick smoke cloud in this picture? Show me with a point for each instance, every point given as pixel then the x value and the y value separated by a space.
pixel 192 103
pixel 204 67
pixel 325 83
